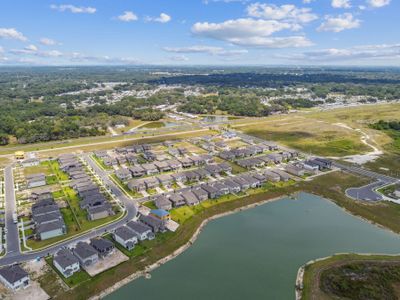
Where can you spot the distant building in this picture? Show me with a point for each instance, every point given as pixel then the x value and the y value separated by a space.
pixel 30 162
pixel 35 180
pixel 19 155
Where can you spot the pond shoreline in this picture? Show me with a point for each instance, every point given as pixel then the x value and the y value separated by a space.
pixel 182 249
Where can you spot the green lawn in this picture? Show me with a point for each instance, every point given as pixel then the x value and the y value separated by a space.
pixel 51 179
pixel 100 162
pixel 150 204
pixel 41 168
pixel 76 279
pixel 55 168
pixel 125 187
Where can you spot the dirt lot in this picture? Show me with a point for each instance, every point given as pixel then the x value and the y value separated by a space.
pixel 106 263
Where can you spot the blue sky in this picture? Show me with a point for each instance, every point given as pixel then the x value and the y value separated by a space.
pixel 226 32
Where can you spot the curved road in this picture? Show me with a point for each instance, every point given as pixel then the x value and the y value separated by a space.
pixel 14 254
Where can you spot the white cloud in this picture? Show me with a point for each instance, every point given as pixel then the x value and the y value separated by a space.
pixel 31 48
pixel 179 58
pixel 366 52
pixel 378 3
pixel 73 9
pixel 308 1
pixel 206 49
pixel 252 33
pixel 341 3
pixel 288 13
pixel 48 42
pixel 163 18
pixel 339 23
pixel 12 33
pixel 128 16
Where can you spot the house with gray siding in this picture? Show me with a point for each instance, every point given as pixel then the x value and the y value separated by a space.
pixel 125 237
pixel 66 263
pixel 143 231
pixel 86 254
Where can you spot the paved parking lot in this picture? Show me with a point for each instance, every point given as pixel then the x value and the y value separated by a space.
pixel 366 193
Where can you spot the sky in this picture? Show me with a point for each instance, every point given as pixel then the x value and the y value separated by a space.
pixel 200 32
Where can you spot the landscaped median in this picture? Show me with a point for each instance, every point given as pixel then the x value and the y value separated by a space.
pixel 330 186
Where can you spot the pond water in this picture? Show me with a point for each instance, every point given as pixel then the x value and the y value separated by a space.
pixel 255 254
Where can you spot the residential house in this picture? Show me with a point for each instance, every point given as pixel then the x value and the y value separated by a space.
pixel 221 188
pixel 233 186
pixel 244 184
pixel 165 179
pixel 149 156
pixel 150 169
pixel 311 166
pixel 99 212
pixel 86 254
pixel 103 246
pixel 143 231
pixel 14 277
pixel 126 237
pixel 162 166
pixel 35 180
pixel 211 191
pixel 174 164
pixel 137 185
pixel 30 162
pixel 283 175
pixel 162 202
pixel 295 170
pixel 186 162
pixel 123 174
pixel 200 194
pixel 137 171
pixel 177 200
pixel 66 263
pixel 161 214
pixel 179 177
pixel 151 182
pixel 154 223
pixel 271 176
pixel 192 176
pixel 190 198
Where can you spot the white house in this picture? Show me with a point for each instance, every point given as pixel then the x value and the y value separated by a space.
pixel 125 237
pixel 14 277
pixel 66 263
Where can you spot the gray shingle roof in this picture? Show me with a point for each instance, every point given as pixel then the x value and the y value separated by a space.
pixel 65 258
pixel 84 250
pixel 13 273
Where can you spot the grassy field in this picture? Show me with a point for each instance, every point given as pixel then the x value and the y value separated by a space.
pixel 377 281
pixel 305 135
pixel 319 132
pixel 43 167
pixel 330 186
pixel 78 277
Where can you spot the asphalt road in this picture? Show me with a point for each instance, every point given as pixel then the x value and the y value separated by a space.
pixel 12 237
pixel 366 193
pixel 15 256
